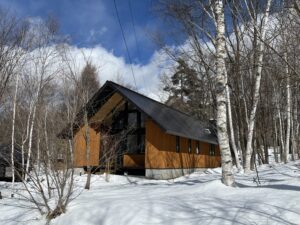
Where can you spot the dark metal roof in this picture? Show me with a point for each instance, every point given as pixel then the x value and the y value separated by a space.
pixel 170 120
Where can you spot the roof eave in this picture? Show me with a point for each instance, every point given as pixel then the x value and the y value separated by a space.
pixel 191 137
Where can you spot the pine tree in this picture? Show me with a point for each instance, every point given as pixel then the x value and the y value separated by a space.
pixel 185 90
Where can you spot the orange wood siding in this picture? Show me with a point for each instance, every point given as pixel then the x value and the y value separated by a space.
pixel 80 148
pixel 161 151
pixel 107 108
pixel 134 161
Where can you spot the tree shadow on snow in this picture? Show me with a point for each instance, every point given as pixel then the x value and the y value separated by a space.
pixel 272 186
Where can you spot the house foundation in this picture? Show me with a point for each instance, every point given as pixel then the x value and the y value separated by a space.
pixel 165 174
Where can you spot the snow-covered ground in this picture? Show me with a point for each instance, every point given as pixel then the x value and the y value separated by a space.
pixel 200 198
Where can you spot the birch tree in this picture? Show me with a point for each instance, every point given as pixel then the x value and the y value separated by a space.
pixel 221 82
pixel 258 74
pixel 13 133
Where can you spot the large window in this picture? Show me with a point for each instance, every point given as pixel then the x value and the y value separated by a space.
pixel 132 145
pixel 177 144
pixel 132 120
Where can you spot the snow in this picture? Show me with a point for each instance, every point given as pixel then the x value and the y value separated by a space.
pixel 199 198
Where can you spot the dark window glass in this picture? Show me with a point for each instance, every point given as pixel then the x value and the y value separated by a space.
pixel 177 144
pixel 132 120
pixel 190 146
pixel 212 149
pixel 132 145
pixel 143 118
pixel 198 148
pixel 142 144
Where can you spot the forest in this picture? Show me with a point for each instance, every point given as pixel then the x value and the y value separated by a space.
pixel 233 61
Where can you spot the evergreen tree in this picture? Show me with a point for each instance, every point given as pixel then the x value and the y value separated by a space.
pixel 185 90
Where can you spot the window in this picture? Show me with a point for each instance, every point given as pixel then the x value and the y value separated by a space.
pixel 132 145
pixel 190 146
pixel 177 144
pixel 132 120
pixel 142 144
pixel 212 150
pixel 198 148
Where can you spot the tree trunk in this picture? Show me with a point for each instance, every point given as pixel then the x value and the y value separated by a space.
pixel 289 110
pixel 221 82
pixel 232 138
pixel 275 141
pixel 13 135
pixel 294 130
pixel 88 150
pixel 261 48
pixel 30 142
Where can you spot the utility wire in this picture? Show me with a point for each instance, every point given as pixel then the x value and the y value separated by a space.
pixel 134 31
pixel 124 39
pixel 136 39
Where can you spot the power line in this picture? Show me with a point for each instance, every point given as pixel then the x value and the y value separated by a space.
pixel 134 31
pixel 136 39
pixel 126 46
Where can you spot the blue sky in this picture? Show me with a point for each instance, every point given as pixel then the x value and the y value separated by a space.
pixel 93 22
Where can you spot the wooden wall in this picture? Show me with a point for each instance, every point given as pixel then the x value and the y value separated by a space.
pixel 80 148
pixel 161 151
pixel 134 161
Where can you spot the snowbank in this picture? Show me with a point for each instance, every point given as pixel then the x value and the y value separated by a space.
pixel 199 198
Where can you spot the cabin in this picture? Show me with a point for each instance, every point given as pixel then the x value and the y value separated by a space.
pixel 5 163
pixel 153 139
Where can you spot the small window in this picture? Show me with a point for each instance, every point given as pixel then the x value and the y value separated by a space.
pixel 177 144
pixel 190 146
pixel 198 148
pixel 212 150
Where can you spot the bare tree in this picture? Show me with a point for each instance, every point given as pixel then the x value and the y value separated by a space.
pixel 261 46
pixel 13 45
pixel 221 82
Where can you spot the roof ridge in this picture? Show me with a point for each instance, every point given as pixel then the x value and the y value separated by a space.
pixel 170 107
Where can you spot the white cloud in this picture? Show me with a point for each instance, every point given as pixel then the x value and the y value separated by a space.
pixel 111 67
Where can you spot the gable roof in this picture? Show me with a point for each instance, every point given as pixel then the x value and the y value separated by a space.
pixel 168 119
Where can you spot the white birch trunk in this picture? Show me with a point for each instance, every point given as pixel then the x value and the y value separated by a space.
pixel 24 139
pixel 46 140
pixel 30 142
pixel 289 109
pixel 13 135
pixel 236 155
pixel 221 82
pixel 239 145
pixel 38 152
pixel 295 128
pixel 276 141
pixel 261 48
pixel 244 101
pixel 280 133
pixel 293 140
